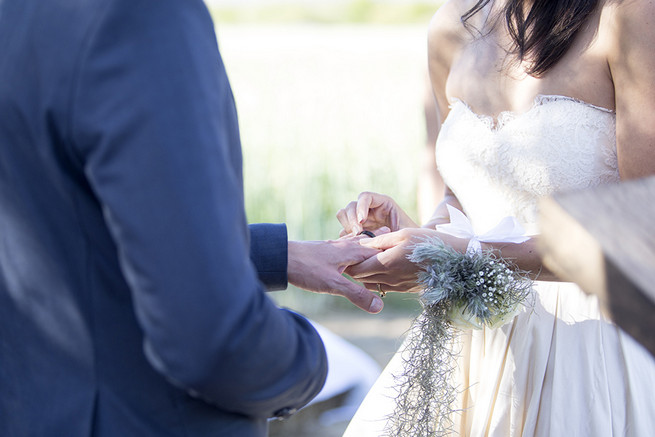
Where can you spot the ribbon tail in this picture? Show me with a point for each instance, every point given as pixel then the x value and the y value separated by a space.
pixel 509 230
pixel 474 246
pixel 459 226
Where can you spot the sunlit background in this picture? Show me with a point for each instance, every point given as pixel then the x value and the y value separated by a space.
pixel 330 98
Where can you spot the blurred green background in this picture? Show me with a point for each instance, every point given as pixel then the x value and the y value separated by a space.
pixel 330 101
pixel 391 12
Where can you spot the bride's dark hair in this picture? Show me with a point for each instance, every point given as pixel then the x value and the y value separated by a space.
pixel 546 33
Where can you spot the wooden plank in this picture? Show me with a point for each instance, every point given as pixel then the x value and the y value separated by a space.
pixel 603 239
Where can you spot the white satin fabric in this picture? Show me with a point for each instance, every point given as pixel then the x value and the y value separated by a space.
pixel 559 368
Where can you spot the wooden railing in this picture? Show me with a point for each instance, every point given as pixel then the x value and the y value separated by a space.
pixel 603 239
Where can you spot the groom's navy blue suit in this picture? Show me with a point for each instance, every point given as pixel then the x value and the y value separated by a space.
pixel 129 305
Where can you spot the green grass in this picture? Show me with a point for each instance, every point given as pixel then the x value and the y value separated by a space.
pixel 354 11
pixel 325 113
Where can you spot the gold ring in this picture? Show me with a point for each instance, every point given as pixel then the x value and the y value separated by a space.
pixel 382 292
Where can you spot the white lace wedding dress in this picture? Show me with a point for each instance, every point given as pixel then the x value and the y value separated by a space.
pixel 560 369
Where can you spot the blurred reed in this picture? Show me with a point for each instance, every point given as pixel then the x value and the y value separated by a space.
pixel 325 113
pixel 318 11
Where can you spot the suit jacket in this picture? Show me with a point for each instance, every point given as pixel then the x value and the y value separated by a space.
pixel 128 302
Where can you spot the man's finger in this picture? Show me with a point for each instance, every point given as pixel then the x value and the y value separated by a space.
pixel 359 296
pixel 368 267
pixel 358 256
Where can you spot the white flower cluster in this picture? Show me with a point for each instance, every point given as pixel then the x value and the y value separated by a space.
pixel 477 289
pixel 493 281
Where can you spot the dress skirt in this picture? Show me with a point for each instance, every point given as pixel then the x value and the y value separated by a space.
pixel 560 368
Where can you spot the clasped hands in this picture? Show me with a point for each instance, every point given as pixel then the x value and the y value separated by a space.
pixel 379 263
pixel 395 233
pixel 395 236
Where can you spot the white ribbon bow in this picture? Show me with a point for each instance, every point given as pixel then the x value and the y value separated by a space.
pixel 509 230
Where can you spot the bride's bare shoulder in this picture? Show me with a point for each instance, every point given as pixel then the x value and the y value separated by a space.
pixel 628 31
pixel 629 17
pixel 447 21
pixel 447 33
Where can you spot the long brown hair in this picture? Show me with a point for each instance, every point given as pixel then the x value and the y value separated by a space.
pixel 546 33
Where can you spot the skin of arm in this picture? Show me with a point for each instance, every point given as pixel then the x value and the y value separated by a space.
pixel 395 272
pixel 445 39
pixel 631 60
pixel 430 183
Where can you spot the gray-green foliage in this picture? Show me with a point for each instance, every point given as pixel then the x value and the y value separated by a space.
pixel 480 286
pixel 459 290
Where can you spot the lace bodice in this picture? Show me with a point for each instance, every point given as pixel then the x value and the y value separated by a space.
pixel 502 168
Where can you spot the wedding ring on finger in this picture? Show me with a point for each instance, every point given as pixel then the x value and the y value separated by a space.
pixel 382 292
pixel 367 233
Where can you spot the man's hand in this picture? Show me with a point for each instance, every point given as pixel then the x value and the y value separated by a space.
pixel 318 266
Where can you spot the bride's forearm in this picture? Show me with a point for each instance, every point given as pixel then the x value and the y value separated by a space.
pixel 525 256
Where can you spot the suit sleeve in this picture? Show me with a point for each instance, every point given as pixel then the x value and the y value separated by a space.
pixel 154 125
pixel 268 252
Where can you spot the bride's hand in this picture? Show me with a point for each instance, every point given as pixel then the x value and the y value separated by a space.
pixel 372 211
pixel 390 270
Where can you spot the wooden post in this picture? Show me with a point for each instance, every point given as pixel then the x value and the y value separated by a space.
pixel 603 239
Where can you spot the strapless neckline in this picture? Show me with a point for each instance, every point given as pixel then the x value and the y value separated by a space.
pixel 503 118
pixel 502 167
